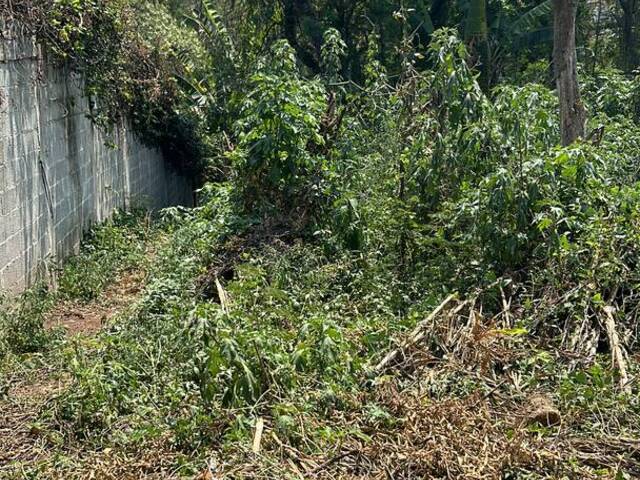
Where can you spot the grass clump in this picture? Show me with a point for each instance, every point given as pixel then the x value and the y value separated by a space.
pixel 113 247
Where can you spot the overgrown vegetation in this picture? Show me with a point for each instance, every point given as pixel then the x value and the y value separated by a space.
pixel 396 271
pixel 128 53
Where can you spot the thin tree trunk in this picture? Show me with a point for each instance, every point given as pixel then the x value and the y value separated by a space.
pixel 476 22
pixel 629 40
pixel 572 112
pixel 477 37
pixel 293 12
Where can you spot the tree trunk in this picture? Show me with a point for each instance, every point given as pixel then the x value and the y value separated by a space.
pixel 572 112
pixel 476 21
pixel 294 11
pixel 629 37
pixel 477 37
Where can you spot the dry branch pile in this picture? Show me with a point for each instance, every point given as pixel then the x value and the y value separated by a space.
pixel 493 431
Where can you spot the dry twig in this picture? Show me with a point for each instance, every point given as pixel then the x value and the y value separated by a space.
pixel 416 335
pixel 617 354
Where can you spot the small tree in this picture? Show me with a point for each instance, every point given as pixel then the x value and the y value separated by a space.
pixel 572 112
pixel 277 131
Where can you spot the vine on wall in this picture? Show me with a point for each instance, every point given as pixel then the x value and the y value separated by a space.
pixel 129 73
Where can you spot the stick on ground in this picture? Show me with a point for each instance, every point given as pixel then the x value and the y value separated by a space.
pixel 415 337
pixel 616 350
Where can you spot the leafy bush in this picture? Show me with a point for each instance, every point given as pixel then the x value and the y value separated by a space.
pixel 22 323
pixel 614 94
pixel 278 130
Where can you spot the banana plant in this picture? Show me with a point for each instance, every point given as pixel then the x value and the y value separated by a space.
pixel 495 39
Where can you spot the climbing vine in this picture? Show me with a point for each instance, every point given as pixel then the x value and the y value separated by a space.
pixel 128 72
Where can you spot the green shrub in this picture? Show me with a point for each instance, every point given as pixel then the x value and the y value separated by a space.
pixel 22 323
pixel 108 249
pixel 278 130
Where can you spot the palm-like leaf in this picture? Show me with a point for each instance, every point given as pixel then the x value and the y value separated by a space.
pixel 211 23
pixel 530 20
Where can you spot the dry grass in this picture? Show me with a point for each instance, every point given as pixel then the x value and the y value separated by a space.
pixel 20 439
pixel 477 437
pixel 498 430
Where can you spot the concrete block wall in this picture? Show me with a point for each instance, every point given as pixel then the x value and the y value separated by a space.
pixel 59 173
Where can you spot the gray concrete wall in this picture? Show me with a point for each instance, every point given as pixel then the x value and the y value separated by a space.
pixel 59 173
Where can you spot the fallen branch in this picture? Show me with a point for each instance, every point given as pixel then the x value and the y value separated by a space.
pixel 416 335
pixel 616 350
pixel 335 459
pixel 257 438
